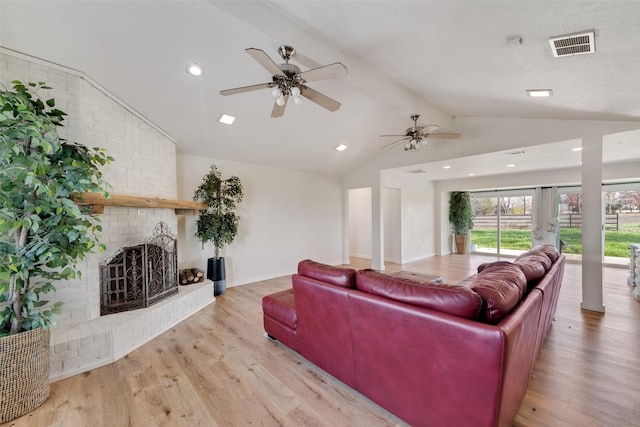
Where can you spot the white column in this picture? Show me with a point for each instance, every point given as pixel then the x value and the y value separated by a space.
pixel 345 226
pixel 377 232
pixel 592 233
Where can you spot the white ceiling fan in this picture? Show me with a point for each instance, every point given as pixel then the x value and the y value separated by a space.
pixel 289 81
pixel 416 135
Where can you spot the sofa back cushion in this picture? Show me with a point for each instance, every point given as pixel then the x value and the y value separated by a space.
pixel 536 257
pixel 453 299
pixel 339 276
pixel 548 250
pixel 533 270
pixel 486 265
pixel 501 288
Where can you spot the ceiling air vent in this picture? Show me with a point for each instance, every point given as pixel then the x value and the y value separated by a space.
pixel 515 153
pixel 417 171
pixel 573 44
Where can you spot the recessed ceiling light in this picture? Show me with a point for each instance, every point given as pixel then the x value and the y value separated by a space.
pixel 512 165
pixel 472 174
pixel 341 147
pixel 539 92
pixel 227 119
pixel 577 149
pixel 446 167
pixel 194 70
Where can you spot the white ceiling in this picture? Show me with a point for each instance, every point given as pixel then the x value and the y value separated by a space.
pixel 441 59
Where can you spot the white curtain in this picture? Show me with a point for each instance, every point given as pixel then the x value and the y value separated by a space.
pixel 536 217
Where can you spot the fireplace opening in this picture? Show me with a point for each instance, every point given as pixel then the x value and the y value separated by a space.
pixel 142 275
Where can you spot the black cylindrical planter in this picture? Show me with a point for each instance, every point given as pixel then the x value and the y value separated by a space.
pixel 215 273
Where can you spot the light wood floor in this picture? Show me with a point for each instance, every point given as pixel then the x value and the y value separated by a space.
pixel 217 369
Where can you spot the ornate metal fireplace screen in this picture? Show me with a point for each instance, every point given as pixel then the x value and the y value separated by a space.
pixel 139 276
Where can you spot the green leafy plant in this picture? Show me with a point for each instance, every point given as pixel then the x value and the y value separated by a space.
pixel 219 223
pixel 43 233
pixel 460 212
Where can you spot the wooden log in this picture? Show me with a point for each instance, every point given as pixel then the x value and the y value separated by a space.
pixel 197 272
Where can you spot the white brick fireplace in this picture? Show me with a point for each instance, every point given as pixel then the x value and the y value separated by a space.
pixel 145 165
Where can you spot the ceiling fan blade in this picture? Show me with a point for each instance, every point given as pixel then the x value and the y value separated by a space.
pixel 392 135
pixel 396 142
pixel 428 129
pixel 318 98
pixel 245 89
pixel 325 72
pixel 278 110
pixel 264 60
pixel 443 135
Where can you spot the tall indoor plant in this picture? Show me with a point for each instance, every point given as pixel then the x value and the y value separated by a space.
pixel 42 234
pixel 461 218
pixel 218 224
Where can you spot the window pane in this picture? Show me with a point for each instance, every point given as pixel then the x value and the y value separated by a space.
pixel 515 224
pixel 485 224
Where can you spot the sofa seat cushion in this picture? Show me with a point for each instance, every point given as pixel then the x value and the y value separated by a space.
pixel 339 276
pixel 501 288
pixel 453 299
pixel 282 307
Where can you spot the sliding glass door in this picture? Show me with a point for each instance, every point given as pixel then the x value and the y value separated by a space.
pixel 620 221
pixel 570 221
pixel 502 222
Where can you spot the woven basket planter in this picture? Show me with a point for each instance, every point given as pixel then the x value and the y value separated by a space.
pixel 24 373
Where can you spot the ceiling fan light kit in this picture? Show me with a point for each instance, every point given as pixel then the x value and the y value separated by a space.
pixel 416 135
pixel 288 80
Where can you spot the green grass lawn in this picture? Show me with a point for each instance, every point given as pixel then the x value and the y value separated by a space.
pixel 616 242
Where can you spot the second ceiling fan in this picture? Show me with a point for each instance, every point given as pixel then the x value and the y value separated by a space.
pixel 416 135
pixel 289 81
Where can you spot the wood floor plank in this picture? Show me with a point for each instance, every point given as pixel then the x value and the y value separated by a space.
pixel 217 369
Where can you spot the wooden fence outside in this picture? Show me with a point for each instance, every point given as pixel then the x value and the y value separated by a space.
pixel 523 222
pixel 573 220
pixel 511 222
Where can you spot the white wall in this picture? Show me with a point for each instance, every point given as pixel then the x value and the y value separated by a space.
pixel 360 223
pixel 286 216
pixel 417 211
pixel 392 214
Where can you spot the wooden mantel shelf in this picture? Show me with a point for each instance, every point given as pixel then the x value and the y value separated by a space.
pixel 97 202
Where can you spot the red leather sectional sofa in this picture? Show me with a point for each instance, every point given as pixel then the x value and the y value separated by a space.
pixel 433 354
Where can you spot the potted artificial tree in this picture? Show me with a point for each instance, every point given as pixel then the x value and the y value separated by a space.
pixel 461 218
pixel 218 224
pixel 43 234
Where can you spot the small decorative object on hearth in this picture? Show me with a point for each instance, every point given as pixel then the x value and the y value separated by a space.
pixel 43 234
pixel 461 218
pixel 219 223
